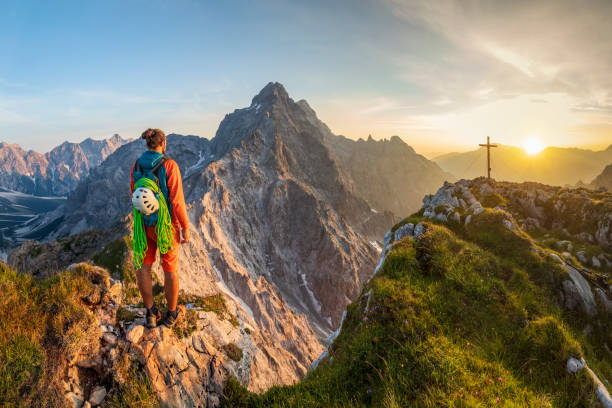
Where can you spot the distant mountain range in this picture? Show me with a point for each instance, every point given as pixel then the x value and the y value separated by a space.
pixel 553 165
pixel 55 173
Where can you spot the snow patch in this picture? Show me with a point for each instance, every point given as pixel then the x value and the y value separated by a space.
pixel 310 293
pixel 203 158
pixel 375 245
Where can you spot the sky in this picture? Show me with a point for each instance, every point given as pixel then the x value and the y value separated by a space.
pixel 440 74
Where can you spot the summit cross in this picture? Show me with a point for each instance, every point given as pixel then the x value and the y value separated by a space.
pixel 488 146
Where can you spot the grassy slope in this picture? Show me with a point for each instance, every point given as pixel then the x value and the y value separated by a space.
pixel 42 324
pixel 463 318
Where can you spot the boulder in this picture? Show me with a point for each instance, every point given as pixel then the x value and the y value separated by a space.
pixel 508 224
pixel 580 292
pixel 135 333
pixel 109 338
pixel 74 400
pixel 419 230
pixel 403 231
pixel 456 218
pixel 574 365
pixel 595 262
pixel 556 257
pixel 97 396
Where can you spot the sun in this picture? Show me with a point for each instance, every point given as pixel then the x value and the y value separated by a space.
pixel 533 146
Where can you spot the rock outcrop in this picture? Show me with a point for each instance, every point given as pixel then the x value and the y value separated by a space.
pixel 583 217
pixel 186 366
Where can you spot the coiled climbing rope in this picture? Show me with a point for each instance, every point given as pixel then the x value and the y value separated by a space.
pixel 163 229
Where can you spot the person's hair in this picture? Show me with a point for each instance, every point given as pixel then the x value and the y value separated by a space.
pixel 154 138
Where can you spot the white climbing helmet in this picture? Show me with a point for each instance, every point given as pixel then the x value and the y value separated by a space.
pixel 144 200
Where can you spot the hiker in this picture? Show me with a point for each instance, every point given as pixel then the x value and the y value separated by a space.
pixel 159 207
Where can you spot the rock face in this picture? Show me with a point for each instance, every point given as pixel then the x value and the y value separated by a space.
pixel 388 174
pixel 276 209
pixel 55 173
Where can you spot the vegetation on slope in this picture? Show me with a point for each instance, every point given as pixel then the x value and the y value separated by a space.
pixel 458 318
pixel 46 322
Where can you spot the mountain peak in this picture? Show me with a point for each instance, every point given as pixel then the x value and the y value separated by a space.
pixel 270 94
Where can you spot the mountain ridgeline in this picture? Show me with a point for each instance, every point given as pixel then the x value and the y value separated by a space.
pixel 55 173
pixel 553 166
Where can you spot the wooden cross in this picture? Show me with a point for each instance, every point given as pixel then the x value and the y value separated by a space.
pixel 488 146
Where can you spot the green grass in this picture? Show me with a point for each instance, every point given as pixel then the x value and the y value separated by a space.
pixel 233 351
pixel 492 200
pixel 213 303
pixel 124 315
pixel 134 390
pixel 463 318
pixel 44 324
pixel 21 352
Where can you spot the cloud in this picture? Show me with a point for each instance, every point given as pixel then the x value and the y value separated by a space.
pixel 515 48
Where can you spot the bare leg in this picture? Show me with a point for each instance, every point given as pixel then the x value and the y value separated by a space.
pixel 171 287
pixel 143 276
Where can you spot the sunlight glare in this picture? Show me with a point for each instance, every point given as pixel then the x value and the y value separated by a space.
pixel 533 146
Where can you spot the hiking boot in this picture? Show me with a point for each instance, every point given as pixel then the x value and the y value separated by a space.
pixel 171 320
pixel 152 317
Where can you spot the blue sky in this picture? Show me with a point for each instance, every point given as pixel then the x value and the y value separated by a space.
pixel 441 76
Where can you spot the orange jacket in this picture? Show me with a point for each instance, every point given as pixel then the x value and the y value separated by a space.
pixel 175 190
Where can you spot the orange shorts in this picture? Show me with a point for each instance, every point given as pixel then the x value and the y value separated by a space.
pixel 169 260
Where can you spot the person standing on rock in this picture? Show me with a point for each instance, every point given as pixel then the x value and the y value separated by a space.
pixel 162 175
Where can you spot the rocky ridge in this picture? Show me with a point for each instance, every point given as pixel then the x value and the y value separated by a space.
pixel 187 371
pixel 57 172
pixel 571 226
